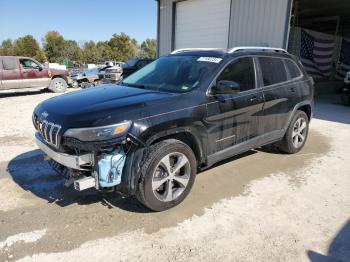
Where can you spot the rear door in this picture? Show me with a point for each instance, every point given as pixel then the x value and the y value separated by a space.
pixel 233 119
pixel 278 92
pixel 11 74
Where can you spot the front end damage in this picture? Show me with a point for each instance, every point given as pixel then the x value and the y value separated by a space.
pixel 103 166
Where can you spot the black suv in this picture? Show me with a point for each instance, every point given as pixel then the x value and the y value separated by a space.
pixel 149 135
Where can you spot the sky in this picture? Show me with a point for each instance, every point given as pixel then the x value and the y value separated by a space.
pixel 79 20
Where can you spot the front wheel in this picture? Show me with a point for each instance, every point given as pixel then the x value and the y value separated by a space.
pixel 167 175
pixel 58 85
pixel 296 135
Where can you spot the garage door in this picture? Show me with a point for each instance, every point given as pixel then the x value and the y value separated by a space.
pixel 202 23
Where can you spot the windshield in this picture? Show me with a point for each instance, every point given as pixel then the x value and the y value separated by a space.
pixel 176 74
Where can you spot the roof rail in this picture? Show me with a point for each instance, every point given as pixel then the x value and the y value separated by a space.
pixel 194 49
pixel 262 48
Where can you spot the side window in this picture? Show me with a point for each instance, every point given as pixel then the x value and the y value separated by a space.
pixel 27 63
pixel 273 70
pixel 241 71
pixel 292 68
pixel 9 63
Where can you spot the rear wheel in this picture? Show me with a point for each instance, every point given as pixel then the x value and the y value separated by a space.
pixel 167 175
pixel 58 85
pixel 296 135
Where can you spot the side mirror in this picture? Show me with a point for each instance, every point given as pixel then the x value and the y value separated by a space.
pixel 226 87
pixel 40 68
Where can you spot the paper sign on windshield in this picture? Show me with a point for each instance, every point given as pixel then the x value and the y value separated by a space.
pixel 209 59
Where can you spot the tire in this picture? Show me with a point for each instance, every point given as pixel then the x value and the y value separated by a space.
pixel 75 84
pixel 156 179
pixel 296 135
pixel 58 85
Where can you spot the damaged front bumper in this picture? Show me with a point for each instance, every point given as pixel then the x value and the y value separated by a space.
pixel 83 171
pixel 70 161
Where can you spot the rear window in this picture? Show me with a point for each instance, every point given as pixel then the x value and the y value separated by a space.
pixel 292 68
pixel 273 70
pixel 9 63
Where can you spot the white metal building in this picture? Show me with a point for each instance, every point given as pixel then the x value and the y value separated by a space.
pixel 222 23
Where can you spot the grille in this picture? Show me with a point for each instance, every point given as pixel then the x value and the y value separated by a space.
pixel 49 131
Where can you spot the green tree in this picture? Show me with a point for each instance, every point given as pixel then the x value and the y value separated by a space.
pixel 40 56
pixel 123 47
pixel 54 45
pixel 149 48
pixel 104 51
pixel 72 51
pixel 91 54
pixel 7 48
pixel 26 46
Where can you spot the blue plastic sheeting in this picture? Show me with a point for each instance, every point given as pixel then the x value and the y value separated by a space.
pixel 110 168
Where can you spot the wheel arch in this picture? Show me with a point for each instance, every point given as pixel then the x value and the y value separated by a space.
pixel 139 153
pixel 305 106
pixel 307 109
pixel 60 76
pixel 184 135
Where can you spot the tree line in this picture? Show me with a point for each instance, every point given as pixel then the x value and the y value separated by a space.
pixel 56 49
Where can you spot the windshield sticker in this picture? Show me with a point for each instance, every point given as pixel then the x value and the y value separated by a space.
pixel 209 59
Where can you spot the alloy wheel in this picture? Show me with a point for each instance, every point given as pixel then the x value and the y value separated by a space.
pixel 171 177
pixel 299 132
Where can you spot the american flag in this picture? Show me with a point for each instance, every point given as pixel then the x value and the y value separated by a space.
pixel 316 54
pixel 344 59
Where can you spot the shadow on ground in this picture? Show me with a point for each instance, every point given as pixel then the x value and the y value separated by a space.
pixel 31 172
pixel 34 174
pixel 14 92
pixel 339 249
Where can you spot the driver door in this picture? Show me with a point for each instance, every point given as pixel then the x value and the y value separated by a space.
pixel 233 118
pixel 31 73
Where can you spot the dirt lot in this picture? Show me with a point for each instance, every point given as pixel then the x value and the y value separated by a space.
pixel 259 206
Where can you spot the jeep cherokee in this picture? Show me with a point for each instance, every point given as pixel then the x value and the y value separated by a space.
pixel 149 135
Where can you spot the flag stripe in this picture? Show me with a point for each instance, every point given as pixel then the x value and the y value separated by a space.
pixel 316 54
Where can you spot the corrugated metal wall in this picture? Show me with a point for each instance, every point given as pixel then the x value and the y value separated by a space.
pixel 165 26
pixel 252 22
pixel 258 22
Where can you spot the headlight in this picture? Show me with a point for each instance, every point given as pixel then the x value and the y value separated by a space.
pixel 99 133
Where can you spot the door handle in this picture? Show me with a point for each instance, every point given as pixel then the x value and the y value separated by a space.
pixel 292 89
pixel 254 98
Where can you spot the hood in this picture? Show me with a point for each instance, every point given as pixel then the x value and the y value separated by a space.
pixel 100 106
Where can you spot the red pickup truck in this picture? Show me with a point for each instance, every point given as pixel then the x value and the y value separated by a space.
pixel 23 72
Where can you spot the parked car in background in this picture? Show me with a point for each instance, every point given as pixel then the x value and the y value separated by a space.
pixel 182 113
pixel 132 65
pixel 102 69
pixel 18 72
pixel 345 92
pixel 113 73
pixel 85 77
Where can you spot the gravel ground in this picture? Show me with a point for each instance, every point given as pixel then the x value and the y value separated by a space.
pixel 259 206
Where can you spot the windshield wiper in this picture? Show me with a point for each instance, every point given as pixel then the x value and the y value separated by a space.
pixel 134 85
